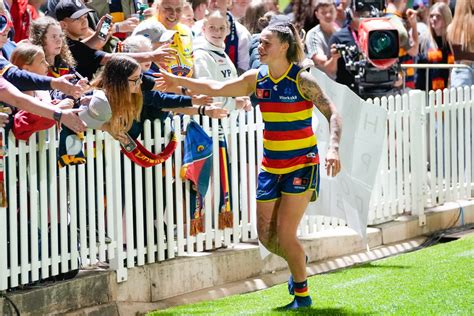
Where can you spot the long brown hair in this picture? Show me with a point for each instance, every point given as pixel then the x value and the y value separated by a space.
pixel 38 30
pixel 286 33
pixel 460 31
pixel 126 106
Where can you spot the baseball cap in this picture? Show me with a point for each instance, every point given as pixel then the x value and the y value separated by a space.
pixel 25 124
pixel 73 9
pixel 98 112
pixel 154 30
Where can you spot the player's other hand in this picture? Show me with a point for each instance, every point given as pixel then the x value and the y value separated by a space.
pixel 333 163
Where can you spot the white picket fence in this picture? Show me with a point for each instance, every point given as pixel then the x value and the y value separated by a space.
pixel 58 219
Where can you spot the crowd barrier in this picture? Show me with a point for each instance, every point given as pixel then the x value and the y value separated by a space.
pixel 111 210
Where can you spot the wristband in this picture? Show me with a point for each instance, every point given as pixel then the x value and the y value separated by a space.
pixel 117 29
pixel 57 116
pixel 201 110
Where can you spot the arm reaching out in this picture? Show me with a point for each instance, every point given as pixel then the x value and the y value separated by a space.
pixel 311 90
pixel 241 86
pixel 11 95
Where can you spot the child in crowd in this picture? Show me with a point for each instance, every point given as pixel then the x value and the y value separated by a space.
pixel 31 58
pixel 210 59
pixel 47 33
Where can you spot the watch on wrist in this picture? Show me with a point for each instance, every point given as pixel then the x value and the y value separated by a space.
pixel 57 115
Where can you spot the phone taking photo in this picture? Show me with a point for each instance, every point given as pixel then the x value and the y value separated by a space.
pixel 104 29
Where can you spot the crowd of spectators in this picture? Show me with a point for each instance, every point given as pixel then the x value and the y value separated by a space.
pixel 171 34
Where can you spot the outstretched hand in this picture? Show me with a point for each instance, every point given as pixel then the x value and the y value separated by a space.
pixel 216 112
pixel 333 163
pixel 201 99
pixel 72 120
pixel 164 54
pixel 165 81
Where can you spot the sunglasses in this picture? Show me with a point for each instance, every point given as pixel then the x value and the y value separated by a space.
pixel 5 23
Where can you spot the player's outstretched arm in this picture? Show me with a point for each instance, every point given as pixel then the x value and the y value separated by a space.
pixel 311 90
pixel 241 86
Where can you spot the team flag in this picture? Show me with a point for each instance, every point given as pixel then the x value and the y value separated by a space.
pixel 197 166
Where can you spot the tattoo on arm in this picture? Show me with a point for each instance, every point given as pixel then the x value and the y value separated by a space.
pixel 311 90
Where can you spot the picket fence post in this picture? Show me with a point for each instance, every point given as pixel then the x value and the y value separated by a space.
pixel 417 100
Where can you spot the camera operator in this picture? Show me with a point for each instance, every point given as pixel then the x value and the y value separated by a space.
pixel 347 36
pixel 405 21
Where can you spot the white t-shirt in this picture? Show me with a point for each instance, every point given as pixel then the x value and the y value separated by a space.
pixel 211 62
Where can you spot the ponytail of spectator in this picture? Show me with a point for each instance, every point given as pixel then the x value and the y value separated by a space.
pixel 114 80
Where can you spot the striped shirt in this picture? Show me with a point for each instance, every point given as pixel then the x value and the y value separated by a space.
pixel 289 142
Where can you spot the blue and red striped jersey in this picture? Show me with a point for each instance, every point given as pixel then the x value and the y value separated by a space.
pixel 289 142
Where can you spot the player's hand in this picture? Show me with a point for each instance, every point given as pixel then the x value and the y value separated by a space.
pixel 333 164
pixel 243 103
pixel 165 81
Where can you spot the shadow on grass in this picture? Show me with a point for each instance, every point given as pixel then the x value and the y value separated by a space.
pixel 318 311
pixel 372 266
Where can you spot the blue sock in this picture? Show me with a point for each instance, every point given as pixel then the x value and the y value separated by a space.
pixel 291 286
pixel 302 298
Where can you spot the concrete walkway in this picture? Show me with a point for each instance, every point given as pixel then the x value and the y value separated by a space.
pixel 234 270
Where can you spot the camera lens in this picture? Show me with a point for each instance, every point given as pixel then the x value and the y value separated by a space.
pixel 383 44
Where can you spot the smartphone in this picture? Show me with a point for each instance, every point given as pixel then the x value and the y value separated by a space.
pixel 104 29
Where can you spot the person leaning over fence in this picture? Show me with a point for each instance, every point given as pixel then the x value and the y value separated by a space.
pixel 157 105
pixel 289 178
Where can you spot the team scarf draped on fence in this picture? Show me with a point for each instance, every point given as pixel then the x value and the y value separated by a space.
pixel 197 165
pixel 137 153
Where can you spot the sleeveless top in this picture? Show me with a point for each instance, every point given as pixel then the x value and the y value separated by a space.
pixel 289 142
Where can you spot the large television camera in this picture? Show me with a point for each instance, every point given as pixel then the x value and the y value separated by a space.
pixel 374 63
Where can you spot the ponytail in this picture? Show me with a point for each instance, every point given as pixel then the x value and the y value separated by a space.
pixel 286 33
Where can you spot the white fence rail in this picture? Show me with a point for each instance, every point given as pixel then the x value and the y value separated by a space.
pixel 60 219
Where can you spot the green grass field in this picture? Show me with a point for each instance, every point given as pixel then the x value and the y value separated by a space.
pixel 438 280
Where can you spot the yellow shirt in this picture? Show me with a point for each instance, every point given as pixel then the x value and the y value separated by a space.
pixel 183 43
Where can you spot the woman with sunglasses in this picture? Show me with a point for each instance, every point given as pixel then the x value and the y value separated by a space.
pixel 289 178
